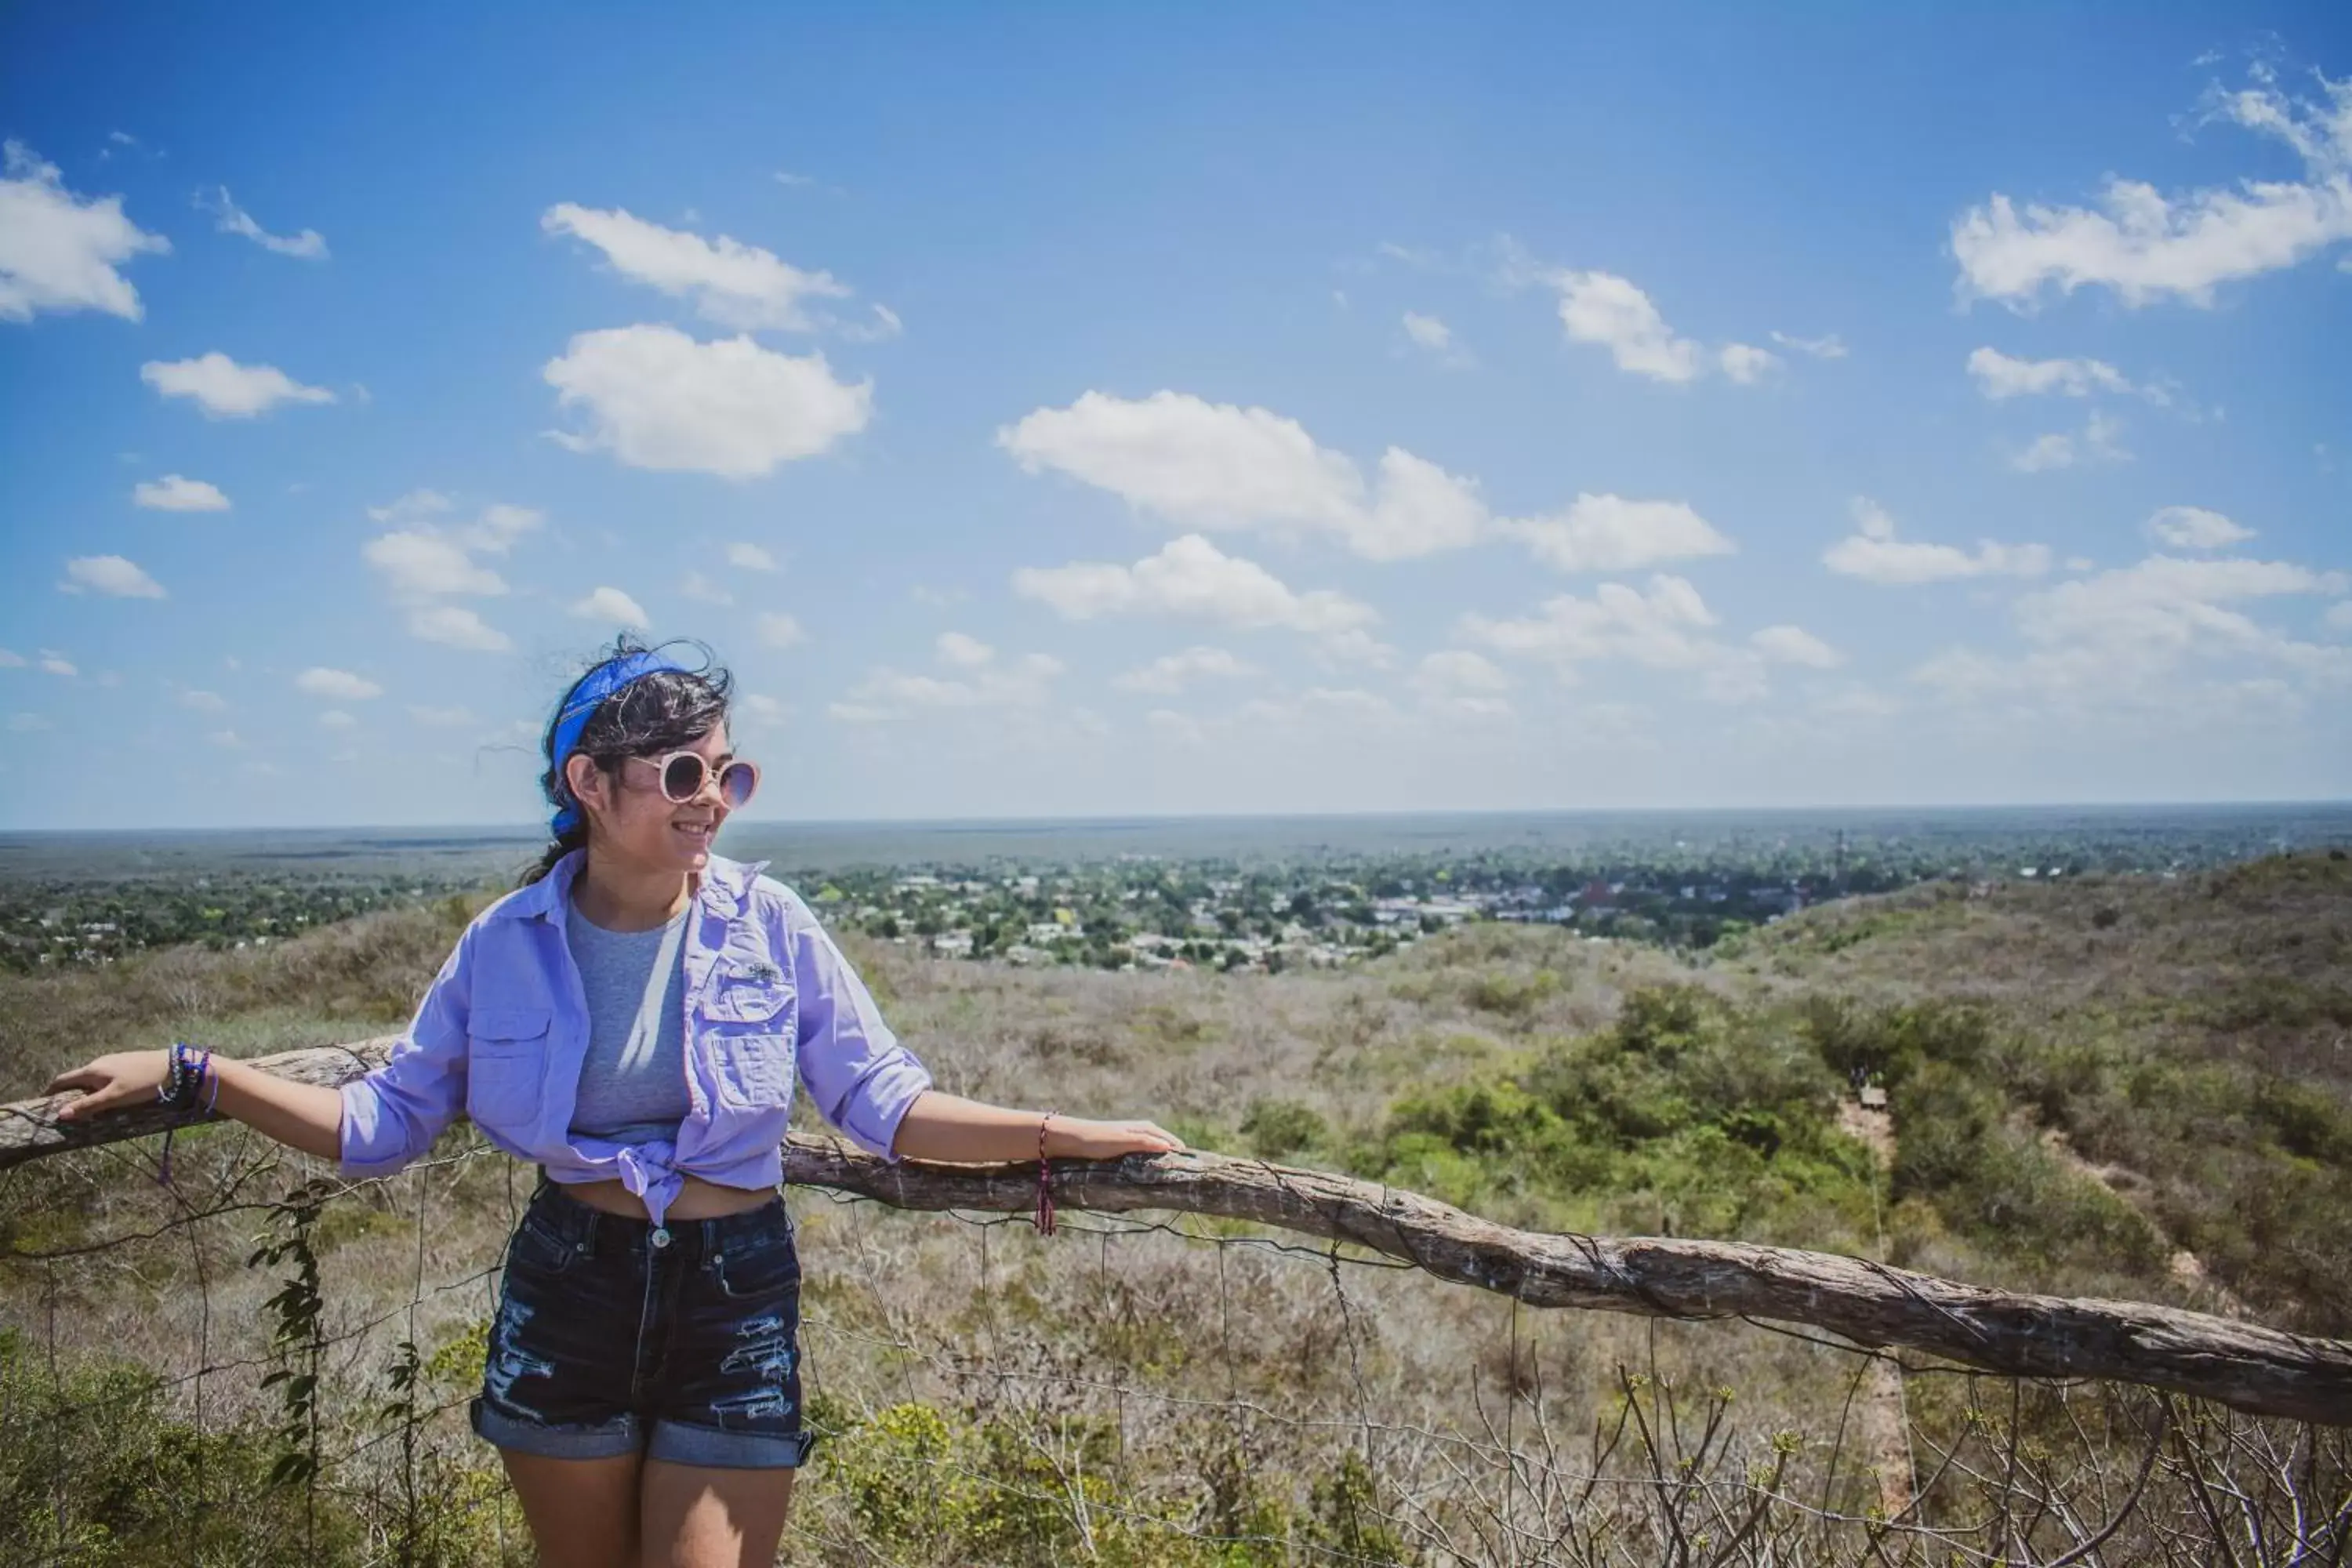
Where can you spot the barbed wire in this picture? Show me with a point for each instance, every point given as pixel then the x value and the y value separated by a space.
pixel 1052 1411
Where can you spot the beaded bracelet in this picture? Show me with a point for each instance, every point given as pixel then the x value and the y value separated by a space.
pixel 185 1070
pixel 1045 1187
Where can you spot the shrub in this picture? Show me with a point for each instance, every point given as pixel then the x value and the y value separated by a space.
pixel 1277 1128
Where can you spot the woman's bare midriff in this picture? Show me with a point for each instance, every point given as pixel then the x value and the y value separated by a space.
pixel 699 1200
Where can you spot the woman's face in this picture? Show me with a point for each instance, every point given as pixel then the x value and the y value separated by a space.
pixel 633 821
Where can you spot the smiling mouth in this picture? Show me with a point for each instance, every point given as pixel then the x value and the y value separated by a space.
pixel 699 832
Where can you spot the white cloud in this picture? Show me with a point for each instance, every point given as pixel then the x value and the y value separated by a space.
pixel 1604 309
pixel 413 562
pixel 733 284
pixel 655 398
pixel 204 702
pixel 1829 347
pixel 1190 578
pixel 1428 331
pixel 111 575
pixel 1666 626
pixel 1794 645
pixel 1172 672
pixel 336 685
pixel 2195 528
pixel 961 651
pixel 1202 465
pixel 499 526
pixel 2147 247
pixel 2164 600
pixel 11 659
pixel 750 558
pixel 778 630
pixel 1352 644
pixel 59 251
pixel 2338 617
pixel 227 740
pixel 2123 635
pixel 1218 466
pixel 1614 313
pixel 1747 364
pixel 1457 672
pixel 1998 376
pixel 1661 628
pixel 307 246
pixel 415 504
pixel 2061 450
pixel 454 625
pixel 336 719
pixel 429 559
pixel 173 494
pixel 982 680
pixel 225 389
pixel 1609 533
pixel 1210 466
pixel 1873 554
pixel 54 663
pixel 611 605
pixel 443 718
pixel 1435 337
pixel 702 589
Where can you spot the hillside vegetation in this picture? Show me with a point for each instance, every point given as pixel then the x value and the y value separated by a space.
pixel 2089 1081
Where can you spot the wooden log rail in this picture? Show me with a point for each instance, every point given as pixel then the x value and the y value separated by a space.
pixel 2261 1370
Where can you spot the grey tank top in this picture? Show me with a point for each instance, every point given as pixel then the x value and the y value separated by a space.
pixel 633 1083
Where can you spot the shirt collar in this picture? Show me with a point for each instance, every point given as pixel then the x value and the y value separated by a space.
pixel 726 887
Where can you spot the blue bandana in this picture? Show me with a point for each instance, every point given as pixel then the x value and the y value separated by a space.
pixel 588 696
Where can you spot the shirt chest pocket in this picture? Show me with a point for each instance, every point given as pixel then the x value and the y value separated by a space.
pixel 506 1059
pixel 748 1021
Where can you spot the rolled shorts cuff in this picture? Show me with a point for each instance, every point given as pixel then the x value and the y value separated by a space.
pixel 608 1441
pixel 679 1443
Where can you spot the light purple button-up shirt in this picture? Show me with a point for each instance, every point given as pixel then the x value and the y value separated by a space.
pixel 505 1027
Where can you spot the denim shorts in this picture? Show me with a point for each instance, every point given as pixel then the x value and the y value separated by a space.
pixel 613 1337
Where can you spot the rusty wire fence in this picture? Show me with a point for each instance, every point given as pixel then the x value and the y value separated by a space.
pixel 258 1362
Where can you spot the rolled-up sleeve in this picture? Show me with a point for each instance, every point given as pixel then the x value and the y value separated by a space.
pixel 394 1114
pixel 860 1077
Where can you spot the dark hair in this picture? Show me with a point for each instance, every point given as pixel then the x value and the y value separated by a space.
pixel 665 712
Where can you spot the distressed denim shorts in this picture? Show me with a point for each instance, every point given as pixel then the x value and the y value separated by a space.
pixel 613 1337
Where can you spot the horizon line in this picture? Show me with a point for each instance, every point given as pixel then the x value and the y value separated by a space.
pixel 526 829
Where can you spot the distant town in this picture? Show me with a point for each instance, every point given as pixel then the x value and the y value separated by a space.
pixel 1145 914
pixel 1243 894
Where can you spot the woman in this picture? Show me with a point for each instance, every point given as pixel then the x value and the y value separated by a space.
pixel 633 1019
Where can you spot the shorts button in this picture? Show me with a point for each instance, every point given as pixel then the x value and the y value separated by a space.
pixel 661 1236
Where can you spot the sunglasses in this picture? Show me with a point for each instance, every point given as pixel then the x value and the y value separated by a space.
pixel 684 774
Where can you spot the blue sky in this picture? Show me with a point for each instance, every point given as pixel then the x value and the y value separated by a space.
pixel 1053 411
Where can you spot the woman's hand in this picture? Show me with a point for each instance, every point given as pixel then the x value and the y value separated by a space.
pixel 125 1078
pixel 1074 1138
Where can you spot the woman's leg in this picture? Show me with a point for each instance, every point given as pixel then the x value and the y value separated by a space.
pixel 582 1512
pixel 696 1516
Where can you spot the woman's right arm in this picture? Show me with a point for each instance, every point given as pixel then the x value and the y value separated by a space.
pixel 301 1115
pixel 371 1126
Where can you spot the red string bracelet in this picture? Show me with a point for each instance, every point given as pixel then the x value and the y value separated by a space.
pixel 1045 1189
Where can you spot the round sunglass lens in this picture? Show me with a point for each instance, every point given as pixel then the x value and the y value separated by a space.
pixel 736 782
pixel 682 776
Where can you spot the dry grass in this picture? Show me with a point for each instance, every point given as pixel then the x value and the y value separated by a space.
pixel 1183 1352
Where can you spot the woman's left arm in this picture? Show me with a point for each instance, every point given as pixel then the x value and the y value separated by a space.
pixel 872 1088
pixel 955 1130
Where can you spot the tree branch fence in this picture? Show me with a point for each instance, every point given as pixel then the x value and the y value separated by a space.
pixel 2023 1428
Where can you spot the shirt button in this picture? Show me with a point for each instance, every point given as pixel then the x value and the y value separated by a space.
pixel 660 1238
